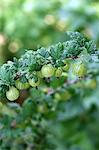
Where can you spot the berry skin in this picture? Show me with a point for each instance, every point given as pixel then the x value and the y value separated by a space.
pixel 66 67
pixel 33 83
pixel 57 96
pixel 19 85
pixel 47 70
pixel 42 108
pixel 91 84
pixel 39 74
pixel 63 96
pixel 58 72
pixel 79 85
pixel 79 69
pixel 12 94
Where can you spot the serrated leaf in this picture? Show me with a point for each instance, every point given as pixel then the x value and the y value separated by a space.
pixel 91 47
pixel 56 51
pixel 77 37
pixel 43 52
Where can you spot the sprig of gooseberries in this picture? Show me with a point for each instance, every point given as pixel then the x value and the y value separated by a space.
pixel 55 61
pixel 46 71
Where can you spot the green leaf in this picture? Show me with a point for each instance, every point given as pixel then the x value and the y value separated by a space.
pixel 77 37
pixel 56 51
pixel 91 47
pixel 43 52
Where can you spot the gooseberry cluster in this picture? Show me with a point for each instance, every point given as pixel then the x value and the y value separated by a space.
pixel 66 103
pixel 72 60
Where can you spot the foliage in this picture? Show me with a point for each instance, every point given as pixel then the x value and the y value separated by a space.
pixel 60 113
pixel 29 24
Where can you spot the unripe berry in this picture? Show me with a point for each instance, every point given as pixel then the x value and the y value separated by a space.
pixel 79 69
pixel 12 94
pixel 39 74
pixel 19 85
pixel 62 96
pixel 47 70
pixel 66 67
pixel 57 96
pixel 91 84
pixel 42 108
pixel 58 72
pixel 34 83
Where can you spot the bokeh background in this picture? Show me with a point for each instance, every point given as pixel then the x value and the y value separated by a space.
pixel 29 24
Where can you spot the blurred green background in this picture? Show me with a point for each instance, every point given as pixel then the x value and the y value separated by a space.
pixel 29 24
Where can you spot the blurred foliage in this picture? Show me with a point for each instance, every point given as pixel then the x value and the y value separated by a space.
pixel 39 125
pixel 31 24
